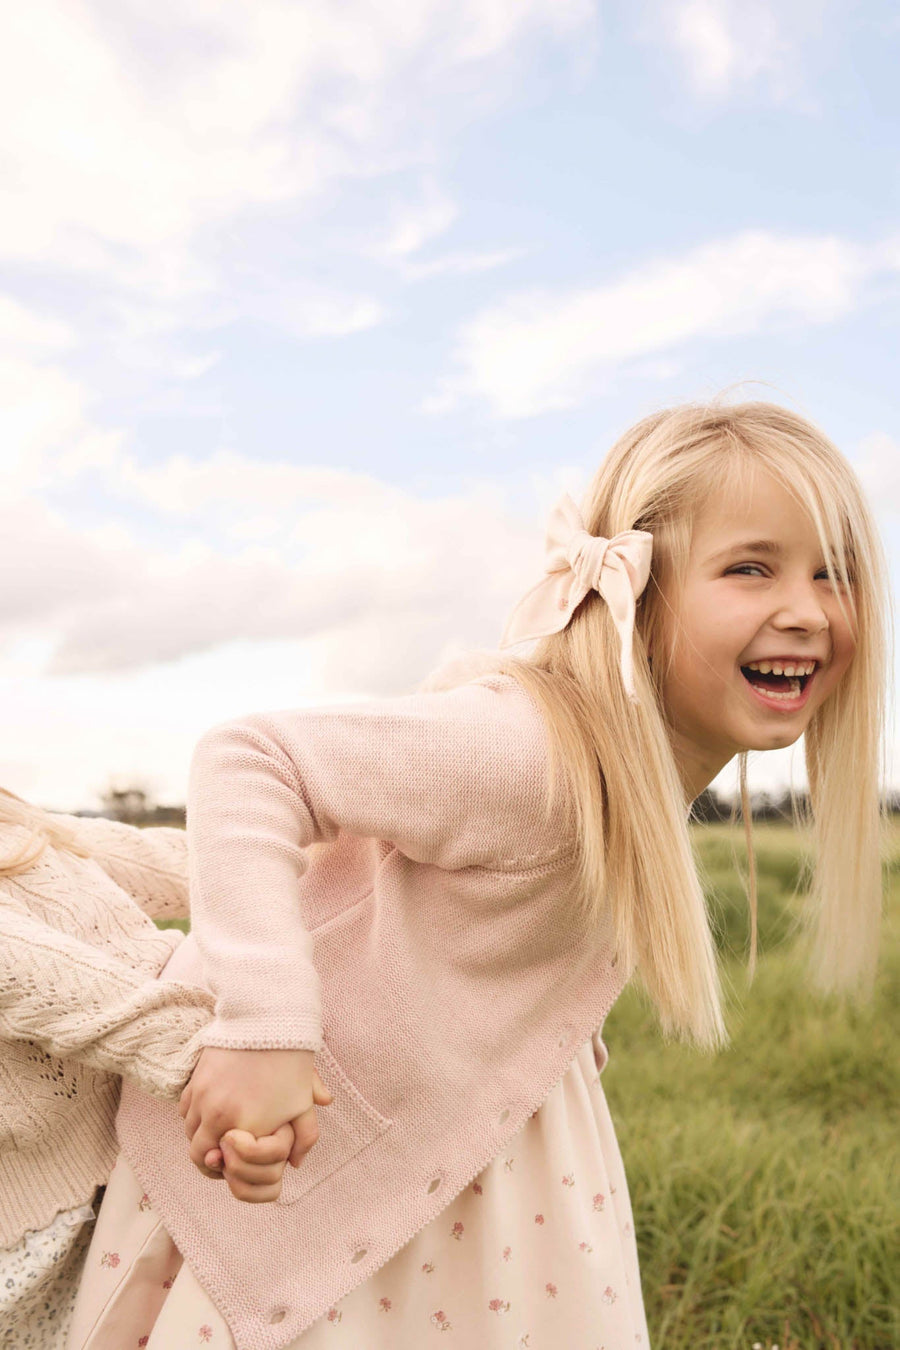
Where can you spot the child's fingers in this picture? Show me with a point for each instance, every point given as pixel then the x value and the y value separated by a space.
pixel 321 1095
pixel 268 1148
pixel 253 1194
pixel 306 1132
pixel 214 1161
pixel 254 1182
pixel 202 1142
pixel 252 1174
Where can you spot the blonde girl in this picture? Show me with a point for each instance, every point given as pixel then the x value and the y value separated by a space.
pixel 493 861
pixel 80 1008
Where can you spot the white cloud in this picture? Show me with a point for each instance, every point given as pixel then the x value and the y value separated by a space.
pixel 23 332
pixel 320 555
pixel 45 432
pixel 232 483
pixel 48 569
pixel 725 44
pixel 540 350
pixel 460 264
pixel 415 224
pixel 124 136
pixel 310 311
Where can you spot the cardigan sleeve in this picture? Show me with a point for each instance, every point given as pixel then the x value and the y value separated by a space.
pixel 77 1002
pixel 454 779
pixel 149 864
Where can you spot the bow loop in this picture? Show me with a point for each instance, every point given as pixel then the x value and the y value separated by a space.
pixel 576 563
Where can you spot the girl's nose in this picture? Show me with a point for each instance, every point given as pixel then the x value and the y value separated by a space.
pixel 800 608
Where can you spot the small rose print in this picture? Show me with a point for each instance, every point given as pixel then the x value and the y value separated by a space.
pixel 508 1164
pixel 143 1341
pixel 428 1267
pixel 384 1304
pixel 457 1231
pixel 499 1305
pixel 539 1218
pixel 110 1259
pixel 144 1202
pixel 609 1295
pixel 167 1284
pixel 599 1202
pixel 612 1190
pixel 333 1315
pixel 507 1253
pixel 569 1179
pixel 205 1333
pixel 551 1290
pixel 440 1320
pixel 628 1228
pixel 524 1341
pixel 585 1247
pixel 477 1188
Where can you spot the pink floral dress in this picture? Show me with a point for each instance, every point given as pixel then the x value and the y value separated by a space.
pixel 536 1254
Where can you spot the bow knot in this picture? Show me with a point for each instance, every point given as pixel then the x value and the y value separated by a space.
pixel 586 555
pixel 576 563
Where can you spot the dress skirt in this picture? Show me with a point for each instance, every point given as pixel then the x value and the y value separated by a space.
pixel 538 1253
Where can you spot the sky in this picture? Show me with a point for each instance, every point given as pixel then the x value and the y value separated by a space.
pixel 310 310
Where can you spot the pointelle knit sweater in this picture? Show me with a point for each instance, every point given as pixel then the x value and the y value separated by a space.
pixel 80 1005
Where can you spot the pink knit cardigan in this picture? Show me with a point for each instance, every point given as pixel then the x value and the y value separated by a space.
pixel 427 950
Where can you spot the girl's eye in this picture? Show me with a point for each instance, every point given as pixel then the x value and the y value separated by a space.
pixel 839 581
pixel 747 570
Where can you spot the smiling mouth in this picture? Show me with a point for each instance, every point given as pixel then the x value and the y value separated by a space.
pixel 782 682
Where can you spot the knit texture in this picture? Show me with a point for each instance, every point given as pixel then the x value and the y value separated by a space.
pixel 80 1006
pixel 382 884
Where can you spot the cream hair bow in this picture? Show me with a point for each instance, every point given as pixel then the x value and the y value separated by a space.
pixel 576 563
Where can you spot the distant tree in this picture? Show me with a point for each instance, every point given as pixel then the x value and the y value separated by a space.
pixel 133 804
pixel 709 806
pixel 125 803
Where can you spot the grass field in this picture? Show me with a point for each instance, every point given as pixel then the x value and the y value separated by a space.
pixel 765 1203
pixel 763 1179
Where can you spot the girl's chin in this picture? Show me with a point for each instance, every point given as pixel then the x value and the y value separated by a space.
pixel 775 738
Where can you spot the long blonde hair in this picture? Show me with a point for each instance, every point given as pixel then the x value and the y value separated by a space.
pixel 34 830
pixel 612 759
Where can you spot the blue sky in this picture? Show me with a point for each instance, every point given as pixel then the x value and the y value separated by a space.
pixel 309 312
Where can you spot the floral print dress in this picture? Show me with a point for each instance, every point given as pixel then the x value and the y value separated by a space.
pixel 537 1253
pixel 39 1280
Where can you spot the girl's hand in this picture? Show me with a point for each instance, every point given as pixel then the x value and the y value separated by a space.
pixel 252 1090
pixel 252 1167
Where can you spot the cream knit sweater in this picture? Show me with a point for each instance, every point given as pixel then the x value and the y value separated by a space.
pixel 80 1006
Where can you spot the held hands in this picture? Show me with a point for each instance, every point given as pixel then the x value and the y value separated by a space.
pixel 249 1112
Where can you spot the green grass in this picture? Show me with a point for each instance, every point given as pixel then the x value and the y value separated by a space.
pixel 761 1177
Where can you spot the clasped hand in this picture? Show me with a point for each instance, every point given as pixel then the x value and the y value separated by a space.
pixel 249 1112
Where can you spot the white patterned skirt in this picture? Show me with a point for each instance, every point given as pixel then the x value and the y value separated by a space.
pixel 39 1280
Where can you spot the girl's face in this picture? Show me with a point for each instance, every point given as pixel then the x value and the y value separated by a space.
pixel 759 637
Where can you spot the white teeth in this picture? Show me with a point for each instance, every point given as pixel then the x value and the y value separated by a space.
pixel 790 696
pixel 778 668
